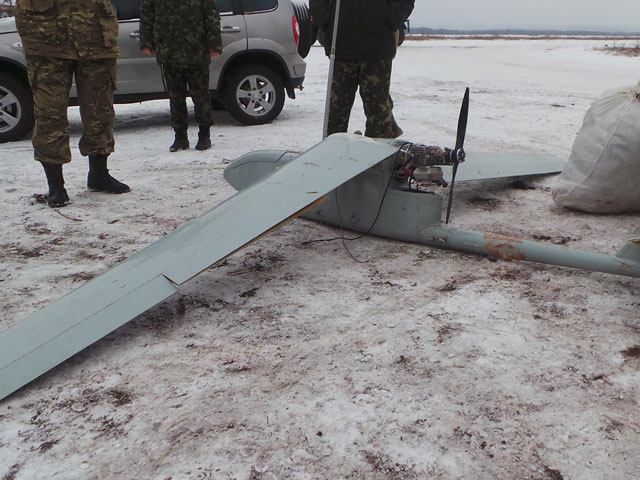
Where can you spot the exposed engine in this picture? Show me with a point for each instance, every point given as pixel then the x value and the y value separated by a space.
pixel 419 163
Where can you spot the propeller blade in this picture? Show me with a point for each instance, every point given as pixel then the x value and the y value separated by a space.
pixel 462 120
pixel 453 182
pixel 462 132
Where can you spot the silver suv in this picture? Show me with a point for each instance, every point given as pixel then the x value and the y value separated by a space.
pixel 6 8
pixel 264 43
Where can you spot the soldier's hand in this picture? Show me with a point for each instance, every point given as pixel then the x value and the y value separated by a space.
pixel 214 53
pixel 148 52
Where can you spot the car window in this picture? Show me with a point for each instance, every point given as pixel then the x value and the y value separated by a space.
pixel 127 9
pixel 252 6
pixel 225 7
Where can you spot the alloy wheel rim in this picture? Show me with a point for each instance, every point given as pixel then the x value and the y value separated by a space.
pixel 256 95
pixel 10 110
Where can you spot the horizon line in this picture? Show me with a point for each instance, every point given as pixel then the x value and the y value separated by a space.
pixel 610 28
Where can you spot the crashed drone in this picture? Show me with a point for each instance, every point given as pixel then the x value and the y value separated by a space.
pixel 372 186
pixel 383 201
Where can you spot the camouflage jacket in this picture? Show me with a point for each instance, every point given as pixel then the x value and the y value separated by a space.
pixel 68 28
pixel 366 28
pixel 181 32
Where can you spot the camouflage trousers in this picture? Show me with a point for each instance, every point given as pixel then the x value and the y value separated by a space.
pixel 373 79
pixel 51 80
pixel 183 81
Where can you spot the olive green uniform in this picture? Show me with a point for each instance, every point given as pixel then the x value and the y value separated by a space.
pixel 63 39
pixel 183 81
pixel 182 34
pixel 373 79
pixel 365 47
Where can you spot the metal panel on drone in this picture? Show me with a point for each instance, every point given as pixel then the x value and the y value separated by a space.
pixel 87 314
pixel 488 165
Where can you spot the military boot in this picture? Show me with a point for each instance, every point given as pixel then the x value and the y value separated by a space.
pixel 57 196
pixel 181 141
pixel 99 179
pixel 204 138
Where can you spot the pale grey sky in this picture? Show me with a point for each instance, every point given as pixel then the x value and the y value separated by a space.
pixel 594 14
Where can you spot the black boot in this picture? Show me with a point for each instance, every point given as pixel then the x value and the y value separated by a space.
pixel 204 139
pixel 57 196
pixel 181 141
pixel 99 179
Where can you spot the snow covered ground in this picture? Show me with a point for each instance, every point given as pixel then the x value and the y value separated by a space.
pixel 294 361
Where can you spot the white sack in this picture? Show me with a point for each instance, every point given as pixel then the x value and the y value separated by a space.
pixel 603 172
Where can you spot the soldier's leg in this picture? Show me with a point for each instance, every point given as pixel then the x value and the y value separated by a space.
pixel 199 91
pixel 50 80
pixel 375 81
pixel 176 81
pixel 198 78
pixel 343 94
pixel 96 81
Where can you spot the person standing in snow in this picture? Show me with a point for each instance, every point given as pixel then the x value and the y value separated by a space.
pixel 63 39
pixel 184 36
pixel 365 47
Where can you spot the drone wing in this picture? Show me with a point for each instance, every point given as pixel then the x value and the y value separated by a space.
pixel 488 165
pixel 631 249
pixel 87 314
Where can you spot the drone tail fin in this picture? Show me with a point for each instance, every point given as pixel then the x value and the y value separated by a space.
pixel 631 250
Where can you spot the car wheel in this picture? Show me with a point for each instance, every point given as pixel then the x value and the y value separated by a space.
pixel 401 36
pixel 16 109
pixel 305 28
pixel 254 94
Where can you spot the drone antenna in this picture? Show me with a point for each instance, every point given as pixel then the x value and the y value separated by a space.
pixel 332 62
pixel 458 152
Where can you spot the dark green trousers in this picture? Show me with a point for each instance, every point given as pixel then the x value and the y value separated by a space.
pixel 373 79
pixel 183 81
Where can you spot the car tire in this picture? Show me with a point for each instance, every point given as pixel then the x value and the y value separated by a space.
pixel 216 103
pixel 401 36
pixel 16 109
pixel 306 28
pixel 254 94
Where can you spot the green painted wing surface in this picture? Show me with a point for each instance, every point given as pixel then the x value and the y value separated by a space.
pixel 631 249
pixel 87 314
pixel 485 165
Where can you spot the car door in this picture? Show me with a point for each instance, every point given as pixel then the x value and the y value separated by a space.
pixel 140 76
pixel 234 38
pixel 269 26
pixel 137 74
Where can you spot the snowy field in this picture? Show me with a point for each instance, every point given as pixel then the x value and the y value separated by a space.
pixel 292 360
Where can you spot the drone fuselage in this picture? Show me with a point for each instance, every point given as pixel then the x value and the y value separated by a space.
pixel 381 202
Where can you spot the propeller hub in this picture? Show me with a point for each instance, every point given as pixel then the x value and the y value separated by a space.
pixel 454 155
